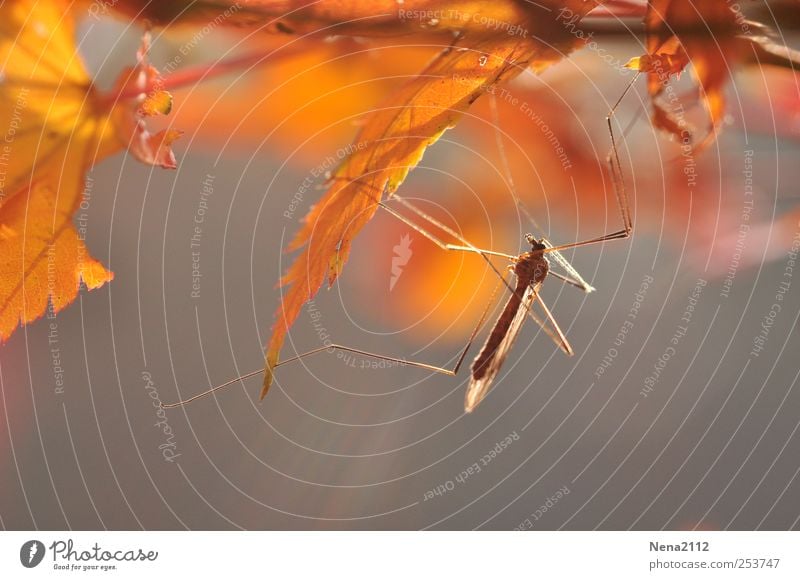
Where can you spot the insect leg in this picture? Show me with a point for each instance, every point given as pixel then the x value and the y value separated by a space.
pixel 467 247
pixel 559 338
pixel 332 347
pixel 327 348
pixel 618 182
pixel 571 281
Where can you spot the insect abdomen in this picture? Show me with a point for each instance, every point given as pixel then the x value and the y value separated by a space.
pixel 499 331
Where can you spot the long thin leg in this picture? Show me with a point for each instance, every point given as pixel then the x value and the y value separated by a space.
pixel 450 372
pixel 618 235
pixel 543 325
pixel 328 348
pixel 616 166
pixel 618 182
pixel 467 247
pixel 571 281
pixel 334 347
pixel 433 238
pixel 562 341
pixel 555 333
pixel 439 224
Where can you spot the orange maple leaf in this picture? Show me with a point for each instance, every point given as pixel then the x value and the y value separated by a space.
pixel 56 125
pixel 392 142
pixel 714 37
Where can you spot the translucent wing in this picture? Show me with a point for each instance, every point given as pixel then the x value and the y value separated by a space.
pixel 478 387
pixel 567 267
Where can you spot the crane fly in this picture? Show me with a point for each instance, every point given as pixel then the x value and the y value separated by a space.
pixel 530 269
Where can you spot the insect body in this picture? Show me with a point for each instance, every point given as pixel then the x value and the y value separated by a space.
pixel 530 268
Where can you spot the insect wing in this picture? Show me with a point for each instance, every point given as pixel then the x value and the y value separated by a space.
pixel 559 258
pixel 478 388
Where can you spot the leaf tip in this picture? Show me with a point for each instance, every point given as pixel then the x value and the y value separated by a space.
pixel 269 370
pixel 634 64
pixel 95 275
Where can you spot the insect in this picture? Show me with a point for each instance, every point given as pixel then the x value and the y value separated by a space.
pixel 530 268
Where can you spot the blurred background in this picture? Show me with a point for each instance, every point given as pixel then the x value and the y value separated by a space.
pixel 678 410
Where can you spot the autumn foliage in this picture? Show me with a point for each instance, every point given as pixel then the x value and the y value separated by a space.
pixel 712 36
pixel 58 124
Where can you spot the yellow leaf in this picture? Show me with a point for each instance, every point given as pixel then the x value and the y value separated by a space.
pixel 54 125
pixel 46 247
pixel 43 91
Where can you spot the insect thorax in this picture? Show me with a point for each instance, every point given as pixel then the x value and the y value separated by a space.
pixel 532 266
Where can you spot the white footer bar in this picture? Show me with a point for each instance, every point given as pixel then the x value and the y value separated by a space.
pixel 355 555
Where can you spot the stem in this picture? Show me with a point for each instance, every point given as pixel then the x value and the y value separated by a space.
pixel 198 73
